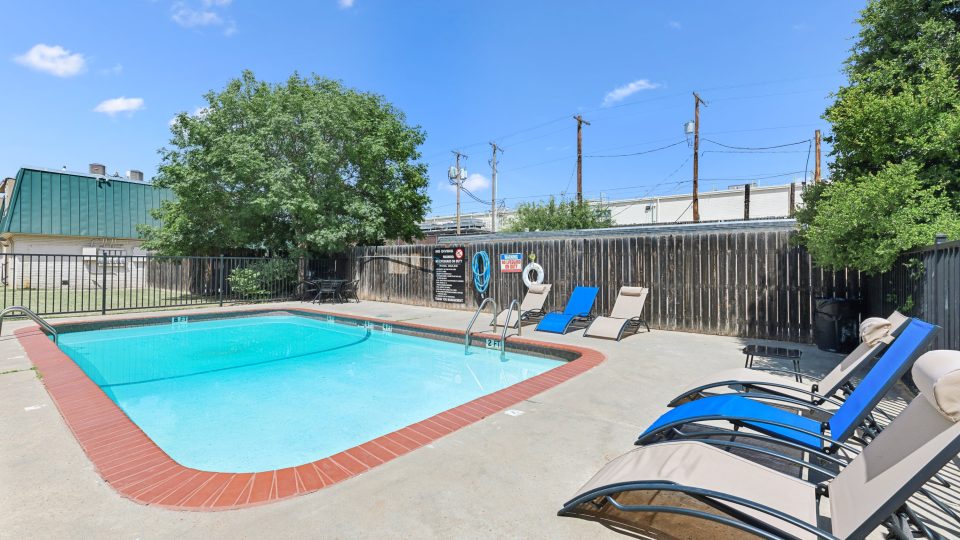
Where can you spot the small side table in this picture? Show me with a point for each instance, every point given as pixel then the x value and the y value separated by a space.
pixel 763 351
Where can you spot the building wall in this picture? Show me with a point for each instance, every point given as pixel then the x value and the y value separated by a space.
pixel 765 201
pixel 44 262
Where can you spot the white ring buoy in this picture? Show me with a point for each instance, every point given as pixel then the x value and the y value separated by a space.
pixel 526 274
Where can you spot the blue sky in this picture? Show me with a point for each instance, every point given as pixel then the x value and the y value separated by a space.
pixel 99 82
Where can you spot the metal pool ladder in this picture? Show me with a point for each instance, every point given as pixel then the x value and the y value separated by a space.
pixel 466 335
pixel 506 325
pixel 30 315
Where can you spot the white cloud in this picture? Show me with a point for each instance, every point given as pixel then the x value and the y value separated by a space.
pixel 622 92
pixel 475 182
pixel 675 25
pixel 122 104
pixel 345 4
pixel 210 14
pixel 188 17
pixel 117 69
pixel 53 59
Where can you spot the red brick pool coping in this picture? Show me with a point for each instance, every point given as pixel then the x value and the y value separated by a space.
pixel 129 461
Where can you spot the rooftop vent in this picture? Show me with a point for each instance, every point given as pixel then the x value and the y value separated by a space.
pixel 135 175
pixel 98 168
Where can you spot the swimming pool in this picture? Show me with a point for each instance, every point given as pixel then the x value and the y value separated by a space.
pixel 265 392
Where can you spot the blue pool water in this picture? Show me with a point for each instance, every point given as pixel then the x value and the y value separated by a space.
pixel 267 392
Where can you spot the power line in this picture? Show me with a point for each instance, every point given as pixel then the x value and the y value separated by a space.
pixel 753 152
pixel 758 176
pixel 756 147
pixel 637 153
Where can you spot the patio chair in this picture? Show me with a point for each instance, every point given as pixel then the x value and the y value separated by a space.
pixel 787 427
pixel 684 487
pixel 876 334
pixel 328 288
pixel 348 290
pixel 530 308
pixel 627 313
pixel 578 309
pixel 309 290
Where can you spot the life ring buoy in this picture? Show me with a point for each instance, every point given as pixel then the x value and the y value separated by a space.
pixel 526 274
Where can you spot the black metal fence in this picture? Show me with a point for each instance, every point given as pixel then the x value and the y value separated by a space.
pixel 924 283
pixel 105 282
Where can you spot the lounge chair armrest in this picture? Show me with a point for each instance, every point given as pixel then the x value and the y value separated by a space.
pixel 646 438
pixel 716 495
pixel 786 370
pixel 799 462
pixel 760 396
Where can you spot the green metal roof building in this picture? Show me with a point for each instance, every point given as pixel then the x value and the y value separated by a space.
pixel 46 202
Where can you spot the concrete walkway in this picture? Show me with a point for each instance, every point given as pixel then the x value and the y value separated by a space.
pixel 502 477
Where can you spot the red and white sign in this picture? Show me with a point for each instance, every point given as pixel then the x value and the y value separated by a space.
pixel 511 263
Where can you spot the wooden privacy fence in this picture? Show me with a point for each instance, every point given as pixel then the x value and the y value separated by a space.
pixel 754 283
pixel 924 283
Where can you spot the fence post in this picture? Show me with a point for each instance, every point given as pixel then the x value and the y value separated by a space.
pixel 103 286
pixel 221 279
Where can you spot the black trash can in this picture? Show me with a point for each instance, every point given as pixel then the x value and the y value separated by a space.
pixel 836 324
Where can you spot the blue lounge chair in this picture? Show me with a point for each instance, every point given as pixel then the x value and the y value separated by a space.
pixel 783 425
pixel 579 308
pixel 637 493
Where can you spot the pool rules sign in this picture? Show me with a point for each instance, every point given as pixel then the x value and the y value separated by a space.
pixel 449 274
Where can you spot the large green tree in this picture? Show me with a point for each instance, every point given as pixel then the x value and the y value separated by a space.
pixel 306 166
pixel 553 215
pixel 896 124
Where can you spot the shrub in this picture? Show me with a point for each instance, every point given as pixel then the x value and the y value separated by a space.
pixel 260 278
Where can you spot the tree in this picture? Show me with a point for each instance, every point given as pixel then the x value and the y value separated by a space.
pixel 870 223
pixel 552 216
pixel 899 114
pixel 307 166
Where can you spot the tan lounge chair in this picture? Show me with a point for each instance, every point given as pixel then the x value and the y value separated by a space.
pixel 627 313
pixel 531 308
pixel 875 336
pixel 686 488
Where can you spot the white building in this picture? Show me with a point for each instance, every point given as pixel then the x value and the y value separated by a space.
pixel 70 229
pixel 737 202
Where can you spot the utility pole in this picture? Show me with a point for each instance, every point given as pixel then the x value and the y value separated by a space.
pixel 746 201
pixel 792 205
pixel 696 154
pixel 493 187
pixel 580 123
pixel 456 176
pixel 816 164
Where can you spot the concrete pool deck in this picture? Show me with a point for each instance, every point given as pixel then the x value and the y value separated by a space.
pixel 503 476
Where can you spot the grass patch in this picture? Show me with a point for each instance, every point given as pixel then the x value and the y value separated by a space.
pixel 9 371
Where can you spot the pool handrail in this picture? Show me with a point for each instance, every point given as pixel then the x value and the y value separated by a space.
pixel 466 334
pixel 30 315
pixel 506 325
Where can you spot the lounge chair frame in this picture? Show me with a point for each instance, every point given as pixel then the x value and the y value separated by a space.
pixel 575 319
pixel 736 519
pixel 633 323
pixel 833 442
pixel 817 394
